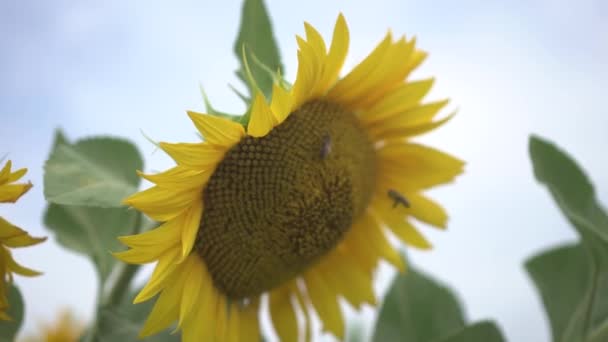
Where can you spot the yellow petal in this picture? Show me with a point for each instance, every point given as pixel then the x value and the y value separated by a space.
pixel 13 236
pixel 326 304
pixel 191 223
pixel 13 266
pixel 167 234
pixel 217 130
pixel 282 314
pixel 166 308
pixel 306 310
pixel 398 100
pixel 164 270
pixel 10 193
pixel 308 74
pixel 372 233
pixel 262 120
pixel 163 204
pixel 249 325
pixel 315 40
pixel 17 175
pixel 387 75
pixel 200 324
pixel 5 172
pixel 344 276
pixel 342 90
pixel 415 121
pixel 337 54
pixel 179 178
pixel 358 243
pixel 200 156
pixel 232 331
pixel 409 167
pixel 281 103
pixel 427 211
pixel 395 218
pixel 221 318
pixel 193 286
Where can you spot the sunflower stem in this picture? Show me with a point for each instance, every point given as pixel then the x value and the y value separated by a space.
pixel 118 290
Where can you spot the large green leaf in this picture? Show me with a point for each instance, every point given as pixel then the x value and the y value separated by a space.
pixel 9 329
pixel 585 318
pixel 91 231
pixel 562 277
pixel 484 331
pixel 418 309
pixel 256 39
pixel 96 171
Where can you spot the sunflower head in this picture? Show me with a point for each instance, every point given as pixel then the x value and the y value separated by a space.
pixel 12 236
pixel 294 203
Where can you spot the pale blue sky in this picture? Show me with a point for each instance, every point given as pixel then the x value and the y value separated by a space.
pixel 511 68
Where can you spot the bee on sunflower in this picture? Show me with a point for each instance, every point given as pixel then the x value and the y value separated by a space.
pixel 295 204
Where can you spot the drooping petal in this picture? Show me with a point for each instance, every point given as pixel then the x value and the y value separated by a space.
pixel 282 314
pixel 371 233
pixel 166 308
pixel 249 325
pixel 325 303
pixel 200 324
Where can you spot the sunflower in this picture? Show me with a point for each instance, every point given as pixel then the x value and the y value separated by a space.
pixel 295 207
pixel 12 236
pixel 66 328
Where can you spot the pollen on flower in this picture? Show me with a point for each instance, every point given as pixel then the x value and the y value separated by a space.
pixel 276 204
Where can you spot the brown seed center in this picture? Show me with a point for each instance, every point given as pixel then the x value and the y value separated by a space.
pixel 276 204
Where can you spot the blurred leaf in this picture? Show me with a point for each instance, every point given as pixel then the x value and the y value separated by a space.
pixel 9 329
pixel 124 322
pixel 562 277
pixel 573 193
pixel 256 39
pixel 93 172
pixel 91 231
pixel 418 309
pixel 485 331
pixel 587 318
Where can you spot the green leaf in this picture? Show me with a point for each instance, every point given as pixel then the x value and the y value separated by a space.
pixel 123 323
pixel 92 172
pixel 562 276
pixel 484 331
pixel 418 309
pixel 587 317
pixel 9 329
pixel 256 38
pixel 91 231
pixel 573 193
